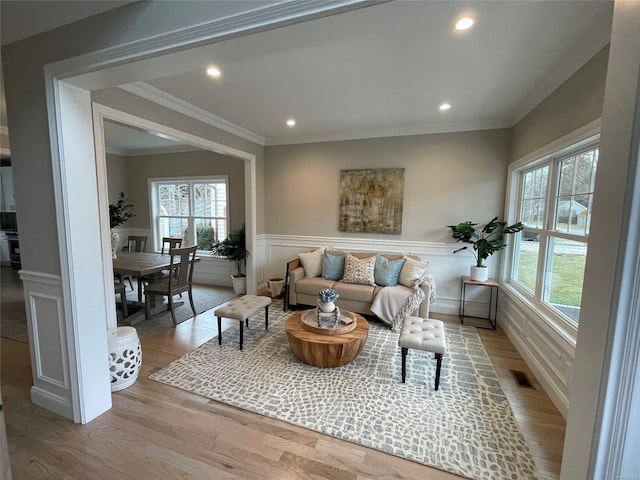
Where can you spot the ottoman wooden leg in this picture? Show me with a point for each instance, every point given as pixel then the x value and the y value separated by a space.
pixel 241 333
pixel 219 330
pixel 438 366
pixel 404 363
pixel 266 317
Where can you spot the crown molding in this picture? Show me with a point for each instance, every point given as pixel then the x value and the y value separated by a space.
pixel 155 95
pixel 139 152
pixel 582 51
pixel 390 132
pixel 160 97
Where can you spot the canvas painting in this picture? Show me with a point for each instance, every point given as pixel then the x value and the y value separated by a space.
pixel 371 200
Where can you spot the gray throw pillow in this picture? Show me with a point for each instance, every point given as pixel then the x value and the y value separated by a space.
pixel 387 271
pixel 332 266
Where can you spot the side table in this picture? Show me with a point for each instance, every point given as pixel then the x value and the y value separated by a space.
pixel 493 285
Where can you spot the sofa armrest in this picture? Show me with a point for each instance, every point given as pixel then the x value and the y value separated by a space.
pixel 293 273
pixel 423 311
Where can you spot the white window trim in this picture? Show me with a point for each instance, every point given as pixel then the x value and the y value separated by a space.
pixel 151 184
pixel 584 135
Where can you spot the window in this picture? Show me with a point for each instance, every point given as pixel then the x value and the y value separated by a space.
pixel 554 202
pixel 193 209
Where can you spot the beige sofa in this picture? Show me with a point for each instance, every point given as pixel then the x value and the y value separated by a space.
pixel 301 291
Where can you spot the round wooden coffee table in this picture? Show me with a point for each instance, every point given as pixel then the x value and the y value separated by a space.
pixel 325 351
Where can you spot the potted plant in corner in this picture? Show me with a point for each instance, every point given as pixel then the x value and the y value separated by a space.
pixel 118 214
pixel 234 248
pixel 486 241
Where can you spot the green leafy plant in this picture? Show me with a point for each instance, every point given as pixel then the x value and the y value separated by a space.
pixel 327 295
pixel 118 212
pixel 233 248
pixel 205 235
pixel 485 241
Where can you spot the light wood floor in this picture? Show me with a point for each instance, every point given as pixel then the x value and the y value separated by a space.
pixel 155 431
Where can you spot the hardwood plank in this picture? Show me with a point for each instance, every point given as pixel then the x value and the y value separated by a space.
pixel 155 431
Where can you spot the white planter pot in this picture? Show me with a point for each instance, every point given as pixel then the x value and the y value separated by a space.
pixel 114 244
pixel 479 274
pixel 239 285
pixel 327 307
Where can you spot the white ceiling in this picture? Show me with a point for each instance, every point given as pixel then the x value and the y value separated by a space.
pixel 385 69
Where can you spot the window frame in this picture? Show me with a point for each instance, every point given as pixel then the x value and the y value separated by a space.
pixel 154 217
pixel 583 139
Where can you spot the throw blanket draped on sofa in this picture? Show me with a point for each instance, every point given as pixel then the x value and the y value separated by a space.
pixel 392 304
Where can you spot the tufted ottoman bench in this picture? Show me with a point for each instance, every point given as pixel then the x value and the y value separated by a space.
pixel 241 309
pixel 422 334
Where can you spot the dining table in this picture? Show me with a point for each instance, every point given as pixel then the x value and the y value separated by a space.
pixel 148 266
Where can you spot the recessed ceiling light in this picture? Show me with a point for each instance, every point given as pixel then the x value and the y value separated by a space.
pixel 464 23
pixel 444 107
pixel 213 72
pixel 291 122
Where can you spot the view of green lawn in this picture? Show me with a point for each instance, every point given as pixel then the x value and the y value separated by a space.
pixel 566 284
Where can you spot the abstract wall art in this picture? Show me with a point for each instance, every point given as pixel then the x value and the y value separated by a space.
pixel 371 200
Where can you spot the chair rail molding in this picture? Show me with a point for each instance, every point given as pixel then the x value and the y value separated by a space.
pixel 445 267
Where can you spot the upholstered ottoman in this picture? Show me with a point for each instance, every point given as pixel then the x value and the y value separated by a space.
pixel 422 334
pixel 241 309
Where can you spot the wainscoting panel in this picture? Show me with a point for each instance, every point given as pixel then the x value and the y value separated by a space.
pixel 549 354
pixel 45 319
pixel 445 267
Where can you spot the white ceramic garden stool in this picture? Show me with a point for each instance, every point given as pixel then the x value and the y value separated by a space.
pixel 422 334
pixel 125 357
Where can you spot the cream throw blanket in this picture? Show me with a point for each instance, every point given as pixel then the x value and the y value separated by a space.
pixel 392 304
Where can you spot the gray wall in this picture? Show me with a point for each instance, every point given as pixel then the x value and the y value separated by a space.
pixel 575 103
pixel 4 141
pixel 449 178
pixel 129 103
pixel 131 175
pixel 23 67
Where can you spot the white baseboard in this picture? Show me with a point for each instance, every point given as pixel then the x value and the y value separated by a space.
pixel 51 402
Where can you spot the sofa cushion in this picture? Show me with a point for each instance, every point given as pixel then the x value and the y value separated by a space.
pixel 312 262
pixel 359 270
pixel 387 271
pixel 354 292
pixel 411 271
pixel 332 265
pixel 313 285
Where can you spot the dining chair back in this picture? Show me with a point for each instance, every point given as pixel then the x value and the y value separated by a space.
pixel 170 242
pixel 181 265
pixel 136 243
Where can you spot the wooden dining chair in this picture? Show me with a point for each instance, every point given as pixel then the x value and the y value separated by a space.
pixel 120 288
pixel 170 242
pixel 134 243
pixel 182 263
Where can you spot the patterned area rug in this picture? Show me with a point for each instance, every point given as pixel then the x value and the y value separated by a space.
pixel 466 427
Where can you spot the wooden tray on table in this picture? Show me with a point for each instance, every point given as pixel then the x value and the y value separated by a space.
pixel 347 323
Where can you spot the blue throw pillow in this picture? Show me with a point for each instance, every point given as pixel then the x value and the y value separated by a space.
pixel 387 271
pixel 332 266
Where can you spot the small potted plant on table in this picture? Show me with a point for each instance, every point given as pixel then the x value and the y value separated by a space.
pixel 485 241
pixel 326 300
